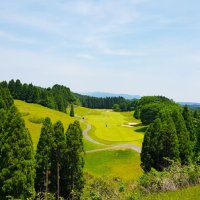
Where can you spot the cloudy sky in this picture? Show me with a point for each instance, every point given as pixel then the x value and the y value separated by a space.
pixel 144 47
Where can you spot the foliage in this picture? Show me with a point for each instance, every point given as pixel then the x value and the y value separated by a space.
pixel 6 100
pixel 172 178
pixel 58 97
pixel 161 143
pixel 36 120
pixel 148 107
pixel 72 111
pixel 116 108
pixel 43 156
pixel 17 164
pixel 57 155
pixel 106 103
pixel 72 179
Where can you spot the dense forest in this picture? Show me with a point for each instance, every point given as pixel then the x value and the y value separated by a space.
pixel 172 135
pixel 60 97
pixel 57 166
pixel 115 103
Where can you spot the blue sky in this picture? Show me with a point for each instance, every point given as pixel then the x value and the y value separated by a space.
pixel 144 47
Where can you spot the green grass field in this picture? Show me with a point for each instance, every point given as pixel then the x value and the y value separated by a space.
pixel 191 193
pixel 107 126
pixel 114 163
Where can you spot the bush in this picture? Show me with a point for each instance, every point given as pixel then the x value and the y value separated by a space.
pixel 36 120
pixel 172 178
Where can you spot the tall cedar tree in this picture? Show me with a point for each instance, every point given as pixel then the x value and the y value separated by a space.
pixel 72 111
pixel 43 156
pixel 183 137
pixel 57 157
pixel 160 143
pixel 146 161
pixel 17 164
pixel 73 181
pixel 151 147
pixel 169 149
pixel 187 115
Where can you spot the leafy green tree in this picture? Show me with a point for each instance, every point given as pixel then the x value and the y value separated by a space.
pixel 17 164
pixel 73 181
pixel 43 157
pixel 116 108
pixel 183 137
pixel 150 112
pixel 57 156
pixel 72 111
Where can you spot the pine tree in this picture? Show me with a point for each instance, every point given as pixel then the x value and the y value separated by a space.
pixel 72 111
pixel 43 157
pixel 183 137
pixel 17 164
pixel 57 156
pixel 73 181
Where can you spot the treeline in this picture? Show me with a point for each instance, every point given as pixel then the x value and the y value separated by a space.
pixel 57 168
pixel 116 103
pixel 58 97
pixel 172 135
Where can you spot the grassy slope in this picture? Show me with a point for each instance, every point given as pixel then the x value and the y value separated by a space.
pixel 114 163
pixel 114 132
pixel 191 193
pixel 38 111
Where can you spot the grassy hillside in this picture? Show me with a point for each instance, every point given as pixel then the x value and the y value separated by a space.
pixel 34 112
pixel 191 193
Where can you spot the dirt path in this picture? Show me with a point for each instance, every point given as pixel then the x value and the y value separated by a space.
pixel 108 147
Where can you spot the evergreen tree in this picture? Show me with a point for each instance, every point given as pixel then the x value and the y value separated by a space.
pixel 73 181
pixel 197 146
pixel 57 156
pixel 43 157
pixel 150 155
pixel 169 145
pixel 183 137
pixel 17 164
pixel 190 126
pixel 155 147
pixel 146 160
pixel 72 111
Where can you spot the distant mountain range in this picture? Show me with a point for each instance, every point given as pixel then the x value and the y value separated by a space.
pixel 106 94
pixel 192 105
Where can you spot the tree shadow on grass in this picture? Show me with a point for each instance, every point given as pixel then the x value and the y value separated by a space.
pixel 143 129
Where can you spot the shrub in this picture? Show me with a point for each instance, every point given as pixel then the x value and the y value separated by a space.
pixel 36 120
